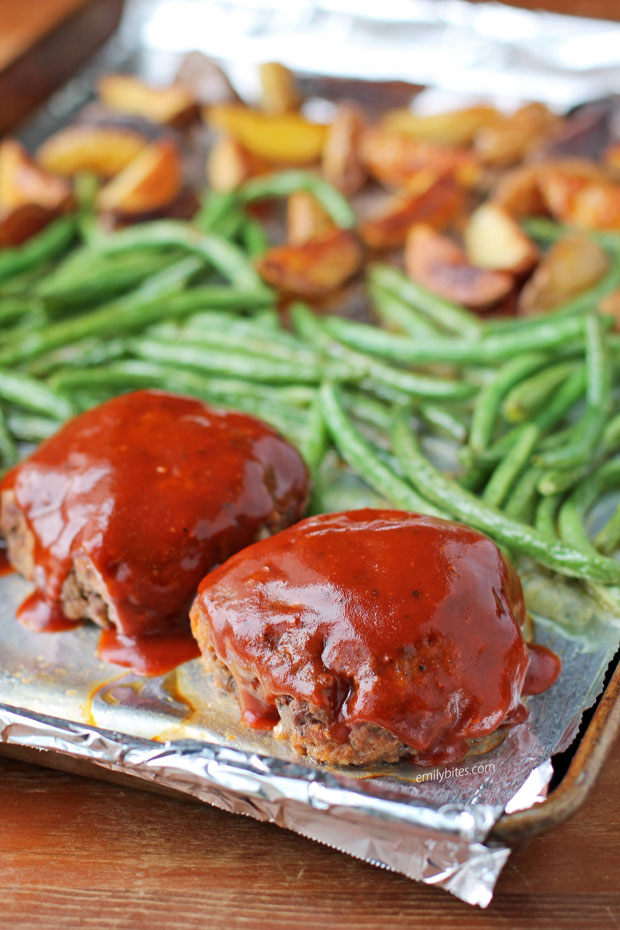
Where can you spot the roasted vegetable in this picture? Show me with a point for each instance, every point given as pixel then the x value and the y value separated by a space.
pixel 396 158
pixel 152 180
pixel 102 150
pixel 284 139
pixel 171 105
pixel 315 268
pixel 571 265
pixel 495 241
pixel 341 164
pixel 279 92
pixel 436 205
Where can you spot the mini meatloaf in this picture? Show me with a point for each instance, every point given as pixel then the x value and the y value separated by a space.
pixel 118 516
pixel 372 635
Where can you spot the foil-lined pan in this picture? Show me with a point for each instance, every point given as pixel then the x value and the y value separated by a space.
pixel 449 826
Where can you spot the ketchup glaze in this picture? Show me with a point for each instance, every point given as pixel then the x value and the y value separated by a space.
pixel 377 616
pixel 153 489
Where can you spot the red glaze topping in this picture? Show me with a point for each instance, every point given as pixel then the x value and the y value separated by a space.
pixel 5 566
pixel 154 490
pixel 378 616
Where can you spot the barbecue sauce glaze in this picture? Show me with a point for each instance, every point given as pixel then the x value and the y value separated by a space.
pixel 377 616
pixel 155 489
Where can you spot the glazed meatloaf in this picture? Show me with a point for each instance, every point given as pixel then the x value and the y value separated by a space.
pixel 119 515
pixel 372 635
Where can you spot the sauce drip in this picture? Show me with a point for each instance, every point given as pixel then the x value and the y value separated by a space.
pixel 399 620
pixel 36 613
pixel 5 566
pixel 131 503
pixel 543 669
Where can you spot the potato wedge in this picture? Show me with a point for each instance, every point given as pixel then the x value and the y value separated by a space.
pixel 279 93
pixel 518 193
pixel 341 164
pixel 204 80
pixel 152 180
pixel 173 105
pixel 495 241
pixel 436 205
pixel 510 138
pixel 229 165
pixel 440 265
pixel 396 158
pixel 611 158
pixel 585 202
pixel 285 139
pixel 306 219
pixel 313 269
pixel 29 196
pixel 454 127
pixel 571 265
pixel 102 150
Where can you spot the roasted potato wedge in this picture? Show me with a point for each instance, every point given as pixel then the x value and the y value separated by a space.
pixel 285 139
pixel 204 80
pixel 229 165
pixel 517 191
pixel 313 269
pixel 571 265
pixel 510 138
pixel 588 203
pixel 454 127
pixel 102 150
pixel 611 158
pixel 436 205
pixel 152 180
pixel 306 219
pixel 29 196
pixel 494 240
pixel 279 93
pixel 396 158
pixel 341 164
pixel 440 265
pixel 173 105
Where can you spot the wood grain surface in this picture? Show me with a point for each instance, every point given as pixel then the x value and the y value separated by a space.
pixel 77 853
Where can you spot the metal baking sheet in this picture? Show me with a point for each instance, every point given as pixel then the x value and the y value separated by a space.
pixel 435 825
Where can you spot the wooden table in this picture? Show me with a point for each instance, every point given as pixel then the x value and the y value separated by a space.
pixel 77 853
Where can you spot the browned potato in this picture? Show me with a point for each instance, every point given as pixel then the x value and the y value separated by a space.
pixel 510 138
pixel 29 196
pixel 440 265
pixel 306 219
pixel 517 191
pixel 396 158
pixel 495 241
pixel 588 203
pixel 204 80
pixel 285 139
pixel 279 93
pixel 341 163
pixel 454 127
pixel 103 150
pixel 171 105
pixel 436 205
pixel 571 265
pixel 313 269
pixel 611 158
pixel 229 165
pixel 150 181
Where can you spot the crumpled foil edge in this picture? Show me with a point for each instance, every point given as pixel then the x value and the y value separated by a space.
pixel 443 846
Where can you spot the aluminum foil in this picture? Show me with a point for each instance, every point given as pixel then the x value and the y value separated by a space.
pixel 434 825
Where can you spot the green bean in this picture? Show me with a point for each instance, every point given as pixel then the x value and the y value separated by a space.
pixel 244 364
pixel 359 365
pixel 215 206
pixel 29 394
pixel 49 243
pixel 508 470
pixel 608 539
pixel 549 231
pixel 486 350
pixel 449 316
pixel 285 183
pixel 516 536
pixel 398 314
pixel 253 237
pixel 487 405
pixel 445 422
pixel 316 439
pixel 14 308
pixel 367 409
pixel 572 512
pixel 545 517
pixel 124 316
pixel 360 455
pixel 587 432
pixel 239 339
pixel 525 398
pixel 8 449
pixel 27 428
pixel 223 255
pixel 520 503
